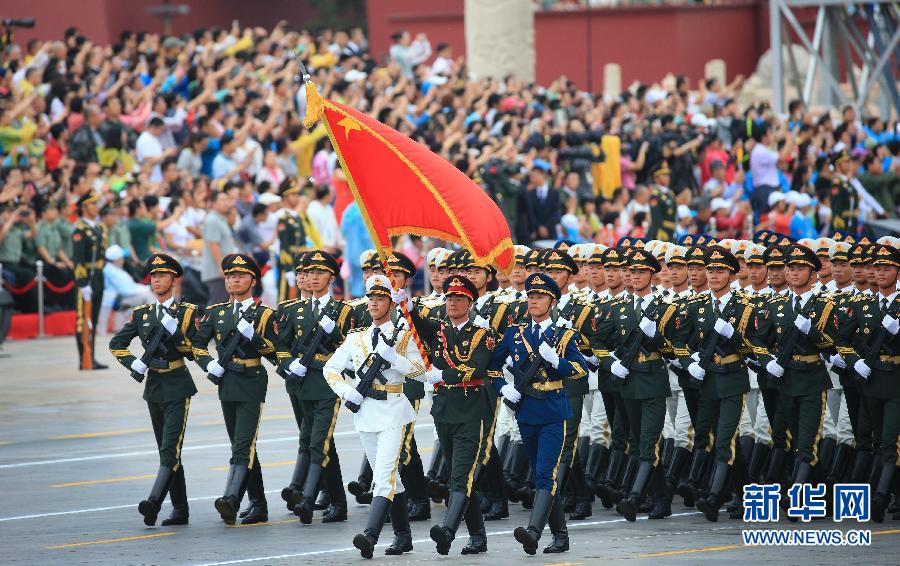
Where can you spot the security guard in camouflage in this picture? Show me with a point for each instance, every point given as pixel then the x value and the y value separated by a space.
pixel 169 325
pixel 242 380
pixel 88 255
pixel 291 237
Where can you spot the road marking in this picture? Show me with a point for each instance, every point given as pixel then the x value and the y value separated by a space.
pixel 107 480
pixel 420 541
pixel 108 456
pixel 107 541
pixel 265 465
pixel 102 433
pixel 694 550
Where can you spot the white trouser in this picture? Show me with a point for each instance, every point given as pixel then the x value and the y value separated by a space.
pixel 677 423
pixel 594 423
pixel 837 420
pixel 383 452
pixel 506 424
pixel 755 418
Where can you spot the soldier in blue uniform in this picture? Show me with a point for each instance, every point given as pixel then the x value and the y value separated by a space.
pixel 543 408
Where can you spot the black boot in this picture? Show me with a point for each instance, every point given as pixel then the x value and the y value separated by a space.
pixel 364 482
pixel 629 506
pixel 680 458
pixel 709 505
pixel 294 492
pixel 178 497
pixel 776 466
pixel 838 468
pixel 758 459
pixel 661 504
pixel 826 455
pixel 882 497
pixel 437 489
pixel 515 470
pixel 529 536
pixel 150 507
pixel 400 522
pixel 443 535
pixel 578 484
pixel 557 523
pixel 230 503
pixel 323 500
pixel 413 478
pixel 687 488
pixel 490 476
pixel 607 485
pixel 307 504
pixel 861 463
pixel 668 451
pixel 596 454
pixel 258 512
pixel 631 469
pixel 334 484
pixel 367 540
pixel 475 525
pixel 745 446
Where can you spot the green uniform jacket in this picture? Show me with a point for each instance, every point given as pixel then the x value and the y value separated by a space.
pixel 161 387
pixel 662 214
pixel 603 343
pixel 88 253
pixel 856 334
pixel 584 323
pixel 843 201
pixel 291 238
pixel 218 322
pixel 296 322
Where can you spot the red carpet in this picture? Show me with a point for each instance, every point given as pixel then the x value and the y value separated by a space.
pixel 25 326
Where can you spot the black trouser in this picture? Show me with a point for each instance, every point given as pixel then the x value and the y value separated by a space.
pixel 645 419
pixel 463 445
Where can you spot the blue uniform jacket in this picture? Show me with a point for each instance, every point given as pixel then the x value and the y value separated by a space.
pixel 555 408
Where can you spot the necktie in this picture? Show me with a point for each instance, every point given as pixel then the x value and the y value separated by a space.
pixel 884 306
pixel 375 334
pixel 717 308
pixel 315 308
pixel 797 305
pixel 637 307
pixel 158 311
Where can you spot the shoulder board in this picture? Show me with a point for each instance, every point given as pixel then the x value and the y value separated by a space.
pixel 210 307
pixel 357 330
pixel 859 298
pixel 186 305
pixel 265 307
pixel 778 299
pixel 142 307
pixel 697 298
pixel 288 302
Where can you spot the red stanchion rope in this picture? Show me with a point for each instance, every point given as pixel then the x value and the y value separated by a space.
pixel 31 284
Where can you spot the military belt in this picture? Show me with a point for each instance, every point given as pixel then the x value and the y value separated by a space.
pixel 729 359
pixel 172 366
pixel 809 359
pixel 643 358
pixel 388 387
pixel 461 385
pixel 249 362
pixel 547 385
pixel 889 359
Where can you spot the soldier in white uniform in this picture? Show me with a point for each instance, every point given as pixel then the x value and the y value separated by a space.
pixel 383 412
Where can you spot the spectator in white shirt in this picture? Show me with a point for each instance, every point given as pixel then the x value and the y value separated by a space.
pixel 443 62
pixel 321 214
pixel 149 148
pixel 408 53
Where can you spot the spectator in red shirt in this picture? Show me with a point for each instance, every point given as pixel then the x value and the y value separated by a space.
pixel 55 148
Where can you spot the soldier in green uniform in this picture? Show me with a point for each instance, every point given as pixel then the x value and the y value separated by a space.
pixel 795 365
pixel 461 407
pixel 646 321
pixel 872 322
pixel 842 197
pixel 169 325
pixel 307 388
pixel 248 328
pixel 88 253
pixel 662 205
pixel 712 326
pixel 291 237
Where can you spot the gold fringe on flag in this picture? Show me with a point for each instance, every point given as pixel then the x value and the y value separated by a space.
pixel 314 105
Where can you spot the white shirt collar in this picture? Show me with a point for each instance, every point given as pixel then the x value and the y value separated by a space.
pixel 323 300
pixel 544 325
pixel 623 294
pixel 890 298
pixel 244 305
pixel 385 328
pixel 167 303
pixel 804 297
pixel 645 300
pixel 89 222
pixel 723 300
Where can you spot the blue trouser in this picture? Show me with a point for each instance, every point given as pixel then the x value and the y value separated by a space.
pixel 543 445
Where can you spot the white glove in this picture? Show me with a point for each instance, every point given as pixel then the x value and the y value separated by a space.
pixel 862 369
pixel 696 371
pixel 775 369
pixel 246 329
pixel 434 376
pixel 170 323
pixel 509 392
pixel 138 366
pixel 619 370
pixel 354 396
pixel 291 278
pixel 724 328
pixel 481 321
pixel 838 360
pixel 549 354
pixel 592 360
pixel 297 368
pixel 695 356
pixel 387 353
pixel 890 324
pixel 509 361
pixel 803 324
pixel 87 292
pixel 677 363
pixel 563 322
pixel 648 327
pixel 398 295
pixel 327 324
pixel 215 369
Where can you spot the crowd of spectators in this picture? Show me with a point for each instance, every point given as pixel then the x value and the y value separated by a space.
pixel 188 140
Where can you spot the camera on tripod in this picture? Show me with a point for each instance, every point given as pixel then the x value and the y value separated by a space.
pixel 17 22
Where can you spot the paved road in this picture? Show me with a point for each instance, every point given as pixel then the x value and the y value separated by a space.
pixel 77 454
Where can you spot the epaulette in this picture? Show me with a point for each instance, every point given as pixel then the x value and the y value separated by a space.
pixel 288 302
pixel 187 304
pixel 210 307
pixel 147 306
pixel 860 297
pixel 355 330
pixel 778 298
pixel 697 297
pixel 357 302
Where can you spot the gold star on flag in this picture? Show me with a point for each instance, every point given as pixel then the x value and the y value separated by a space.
pixel 349 124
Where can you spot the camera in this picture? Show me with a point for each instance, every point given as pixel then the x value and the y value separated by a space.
pixel 17 22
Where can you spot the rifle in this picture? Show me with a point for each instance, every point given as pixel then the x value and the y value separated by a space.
pixel 635 338
pixel 524 378
pixel 154 345
pixel 711 342
pixel 484 308
pixel 373 365
pixel 314 344
pixel 231 345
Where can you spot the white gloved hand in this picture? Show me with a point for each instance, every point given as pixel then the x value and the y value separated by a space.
pixel 481 321
pixel 548 352
pixel 592 360
pixel 246 329
pixel 648 327
pixel 87 292
pixel 677 363
pixel 509 392
pixel 215 369
pixel 354 396
pixel 398 295
pixel 434 376
pixel 862 369
pixel 619 370
pixel 563 322
pixel 890 324
pixel 297 368
pixel 724 328
pixel 838 360
pixel 695 356
pixel 696 371
pixel 291 278
pixel 387 353
pixel 138 366
pixel 775 369
pixel 170 323
pixel 327 324
pixel 803 324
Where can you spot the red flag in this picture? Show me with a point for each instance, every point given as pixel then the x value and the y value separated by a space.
pixel 402 187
